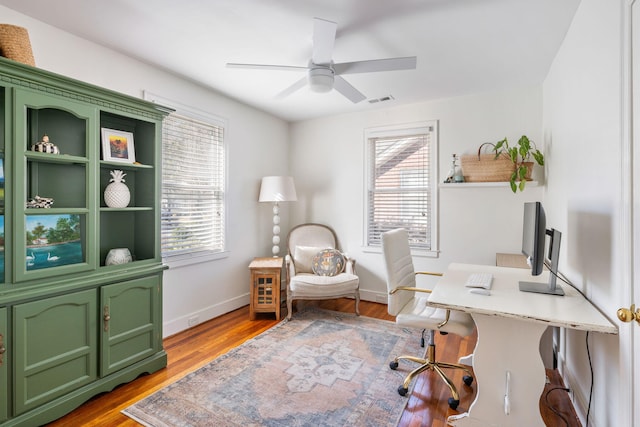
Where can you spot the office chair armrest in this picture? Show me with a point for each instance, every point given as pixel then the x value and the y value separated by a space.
pixel 428 291
pixel 429 273
pixel 409 288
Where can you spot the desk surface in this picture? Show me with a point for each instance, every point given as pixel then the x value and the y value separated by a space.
pixel 569 311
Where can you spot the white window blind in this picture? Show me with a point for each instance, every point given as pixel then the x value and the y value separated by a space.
pixel 193 186
pixel 400 187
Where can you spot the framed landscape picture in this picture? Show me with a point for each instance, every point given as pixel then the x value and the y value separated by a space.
pixel 117 146
pixel 53 240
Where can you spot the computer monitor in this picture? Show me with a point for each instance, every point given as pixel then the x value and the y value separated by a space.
pixel 534 234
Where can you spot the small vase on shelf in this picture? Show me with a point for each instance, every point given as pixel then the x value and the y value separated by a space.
pixel 118 256
pixel 117 194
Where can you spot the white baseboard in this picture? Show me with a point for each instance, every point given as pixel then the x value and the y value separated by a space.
pixel 182 323
pixel 578 398
pixel 373 296
pixel 187 321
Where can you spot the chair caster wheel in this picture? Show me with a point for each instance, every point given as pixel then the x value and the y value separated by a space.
pixel 393 365
pixel 403 391
pixel 453 403
pixel 467 379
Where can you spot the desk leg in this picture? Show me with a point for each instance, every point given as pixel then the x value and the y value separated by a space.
pixel 507 351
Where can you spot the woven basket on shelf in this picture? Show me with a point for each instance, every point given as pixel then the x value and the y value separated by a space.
pixel 485 167
pixel 15 44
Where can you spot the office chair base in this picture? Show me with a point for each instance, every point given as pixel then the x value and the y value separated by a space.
pixel 430 364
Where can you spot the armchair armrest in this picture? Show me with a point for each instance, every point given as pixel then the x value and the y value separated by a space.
pixel 349 265
pixel 290 268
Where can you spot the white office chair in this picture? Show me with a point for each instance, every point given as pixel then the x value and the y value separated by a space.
pixel 411 309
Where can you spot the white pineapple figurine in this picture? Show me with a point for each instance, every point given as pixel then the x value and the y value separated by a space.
pixel 117 195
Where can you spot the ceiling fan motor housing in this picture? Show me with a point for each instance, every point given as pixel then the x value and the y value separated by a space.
pixel 321 79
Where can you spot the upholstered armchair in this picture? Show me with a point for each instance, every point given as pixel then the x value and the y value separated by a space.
pixel 316 269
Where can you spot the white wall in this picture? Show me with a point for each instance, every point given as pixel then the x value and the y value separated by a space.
pixel 327 162
pixel 257 146
pixel 582 129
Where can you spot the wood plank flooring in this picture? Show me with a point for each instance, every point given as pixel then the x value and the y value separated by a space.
pixel 188 350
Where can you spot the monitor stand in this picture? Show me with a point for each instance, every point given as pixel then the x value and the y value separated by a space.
pixel 550 288
pixel 541 288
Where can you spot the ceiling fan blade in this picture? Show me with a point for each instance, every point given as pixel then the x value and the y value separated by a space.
pixel 343 86
pixel 267 67
pixel 294 87
pixel 324 36
pixel 374 65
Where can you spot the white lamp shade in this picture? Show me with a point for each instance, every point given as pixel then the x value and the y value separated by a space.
pixel 277 189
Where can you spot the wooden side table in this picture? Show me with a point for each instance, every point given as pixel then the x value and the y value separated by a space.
pixel 265 286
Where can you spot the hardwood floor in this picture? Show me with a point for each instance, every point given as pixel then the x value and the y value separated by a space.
pixel 188 350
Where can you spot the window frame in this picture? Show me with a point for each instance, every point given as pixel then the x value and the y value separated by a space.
pixel 425 127
pixel 200 255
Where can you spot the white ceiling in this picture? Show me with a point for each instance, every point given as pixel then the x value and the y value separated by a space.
pixel 463 46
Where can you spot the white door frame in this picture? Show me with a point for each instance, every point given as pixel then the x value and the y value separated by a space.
pixel 629 334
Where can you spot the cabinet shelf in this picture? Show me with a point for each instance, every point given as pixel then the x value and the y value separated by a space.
pixel 127 166
pixel 482 184
pixel 127 209
pixel 54 158
pixel 55 211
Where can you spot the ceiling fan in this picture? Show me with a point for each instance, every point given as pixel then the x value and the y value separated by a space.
pixel 323 74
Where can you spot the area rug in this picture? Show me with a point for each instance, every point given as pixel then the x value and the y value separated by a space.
pixel 322 368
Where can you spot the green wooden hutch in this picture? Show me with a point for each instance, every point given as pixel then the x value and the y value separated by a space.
pixel 72 327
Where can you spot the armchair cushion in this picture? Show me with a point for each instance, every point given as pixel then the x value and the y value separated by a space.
pixel 303 258
pixel 312 285
pixel 328 262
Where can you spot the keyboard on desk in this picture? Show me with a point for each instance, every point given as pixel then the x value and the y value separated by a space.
pixel 479 280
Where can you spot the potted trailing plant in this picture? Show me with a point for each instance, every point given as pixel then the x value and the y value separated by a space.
pixel 520 155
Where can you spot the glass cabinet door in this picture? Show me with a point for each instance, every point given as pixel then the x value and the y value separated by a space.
pixel 55 218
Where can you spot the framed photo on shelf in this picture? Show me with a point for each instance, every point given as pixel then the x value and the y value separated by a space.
pixel 117 146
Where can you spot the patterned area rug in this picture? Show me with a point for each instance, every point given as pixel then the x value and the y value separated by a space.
pixel 322 368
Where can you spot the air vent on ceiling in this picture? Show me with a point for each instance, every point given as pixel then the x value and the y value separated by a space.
pixel 383 99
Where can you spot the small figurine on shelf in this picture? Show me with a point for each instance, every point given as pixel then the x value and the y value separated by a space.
pixel 455 173
pixel 40 202
pixel 45 146
pixel 117 194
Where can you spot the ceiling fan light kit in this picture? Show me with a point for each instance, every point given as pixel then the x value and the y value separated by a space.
pixel 321 79
pixel 323 75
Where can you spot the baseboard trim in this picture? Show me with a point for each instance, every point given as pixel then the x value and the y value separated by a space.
pixel 182 323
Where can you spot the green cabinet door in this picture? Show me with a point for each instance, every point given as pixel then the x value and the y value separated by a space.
pixel 4 360
pixel 131 329
pixel 55 347
pixel 62 239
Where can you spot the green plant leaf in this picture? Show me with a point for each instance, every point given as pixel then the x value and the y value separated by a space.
pixel 499 145
pixel 513 154
pixel 539 157
pixel 521 185
pixel 522 172
pixel 513 186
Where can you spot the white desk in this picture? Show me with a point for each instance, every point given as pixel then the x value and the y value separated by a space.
pixel 510 324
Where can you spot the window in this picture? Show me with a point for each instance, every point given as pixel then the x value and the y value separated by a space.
pixel 193 187
pixel 401 184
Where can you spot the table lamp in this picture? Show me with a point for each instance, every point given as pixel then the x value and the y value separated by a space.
pixel 277 189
